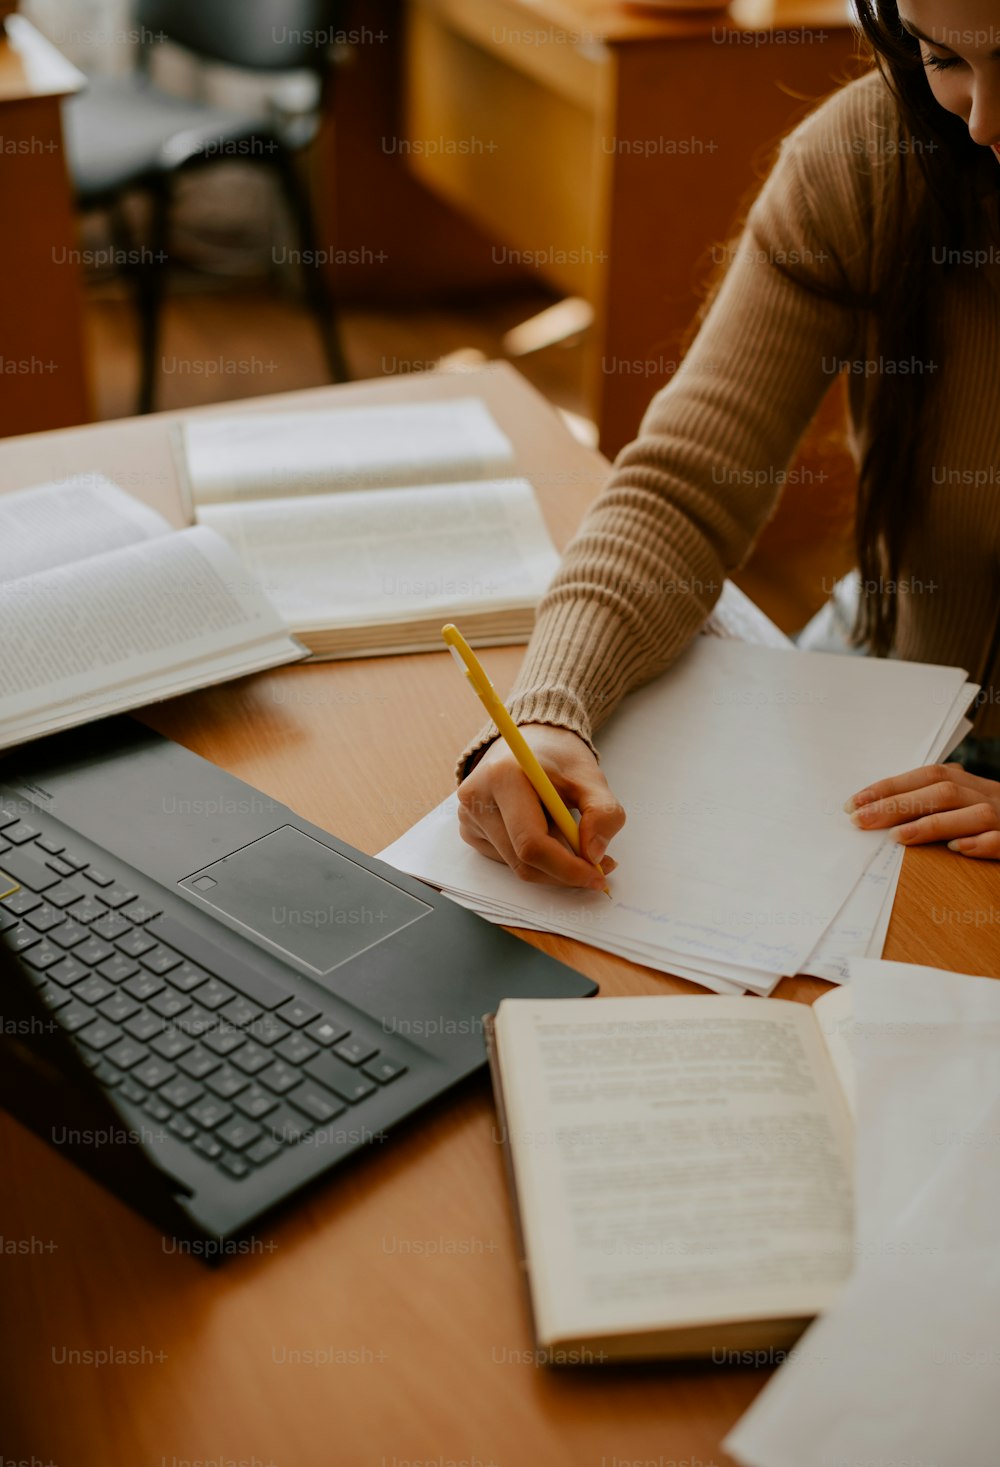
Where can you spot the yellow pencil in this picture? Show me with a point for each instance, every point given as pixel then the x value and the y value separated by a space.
pixel 515 740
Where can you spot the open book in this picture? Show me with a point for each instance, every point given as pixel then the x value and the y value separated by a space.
pixel 105 607
pixel 680 1166
pixel 369 527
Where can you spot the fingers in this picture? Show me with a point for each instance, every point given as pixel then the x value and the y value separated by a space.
pixel 981 847
pixel 974 820
pixel 914 779
pixel 512 820
pixel 947 794
pixel 601 816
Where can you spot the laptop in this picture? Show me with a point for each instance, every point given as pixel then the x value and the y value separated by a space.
pixel 208 1002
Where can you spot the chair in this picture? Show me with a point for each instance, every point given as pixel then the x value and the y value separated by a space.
pixel 125 134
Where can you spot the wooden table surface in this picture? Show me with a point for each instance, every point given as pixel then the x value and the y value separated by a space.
pixel 380 1320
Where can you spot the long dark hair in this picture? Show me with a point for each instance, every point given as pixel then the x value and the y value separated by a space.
pixel 936 217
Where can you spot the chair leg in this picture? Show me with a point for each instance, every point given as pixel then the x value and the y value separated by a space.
pixel 150 276
pixel 318 292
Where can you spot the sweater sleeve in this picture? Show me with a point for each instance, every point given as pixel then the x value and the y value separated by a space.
pixel 689 496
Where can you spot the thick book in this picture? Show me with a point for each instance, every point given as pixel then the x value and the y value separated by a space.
pixel 680 1168
pixel 370 527
pixel 106 607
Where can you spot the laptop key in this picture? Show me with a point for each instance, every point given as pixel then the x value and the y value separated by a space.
pixel 187 977
pixel 52 997
pixel 155 1072
pixel 143 986
pixel 93 951
pixel 19 938
pixel 116 968
pixel 117 896
pixel 208 1147
pixel 298 1013
pixel 196 1021
pixel 198 1063
pixel 58 866
pixel 296 1049
pixel 95 990
pixel 226 1082
pixel 20 833
pixel 7 918
pixel 68 972
pixel 168 1003
pixel 7 817
pixel 267 1029
pixel 132 1091
pixel 144 1025
pixel 87 909
pixel 239 1132
pixel 251 1058
pixel 209 1112
pixel 279 1077
pixel 288 1125
pixel 182 1127
pixel 383 1069
pixel 44 918
pixel 110 926
pixel 97 877
pixel 160 960
pixel 64 895
pixel 72 861
pixel 100 1034
pixel 135 944
pixel 235 1166
pixel 318 1103
pixel 75 1016
pixel 118 1008
pixel 171 1044
pixel 107 1074
pixel 50 846
pixel 43 955
pixel 255 1102
pixel 70 934
pixel 355 1050
pixel 127 1053
pixel 22 902
pixel 181 1092
pixel 213 994
pixel 223 1041
pixel 155 1107
pixel 239 1012
pixel 263 1150
pixel 327 1031
pixel 340 1078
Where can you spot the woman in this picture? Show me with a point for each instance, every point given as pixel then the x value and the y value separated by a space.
pixel 874 250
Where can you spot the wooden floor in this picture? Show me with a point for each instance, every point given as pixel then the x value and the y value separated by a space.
pixel 222 342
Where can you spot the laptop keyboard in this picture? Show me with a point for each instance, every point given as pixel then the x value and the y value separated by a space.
pixel 223 1057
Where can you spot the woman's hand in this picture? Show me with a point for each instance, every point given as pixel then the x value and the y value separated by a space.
pixel 938 803
pixel 501 816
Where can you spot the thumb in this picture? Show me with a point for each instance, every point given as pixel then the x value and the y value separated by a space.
pixel 601 816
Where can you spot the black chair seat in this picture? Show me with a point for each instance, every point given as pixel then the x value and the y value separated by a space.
pixel 122 131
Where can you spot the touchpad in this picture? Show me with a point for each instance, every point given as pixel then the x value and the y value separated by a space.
pixel 304 899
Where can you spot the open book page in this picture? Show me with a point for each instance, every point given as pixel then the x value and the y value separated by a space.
pixel 56 524
pixel 677 1161
pixel 834 1013
pixel 129 626
pixel 272 455
pixel 394 554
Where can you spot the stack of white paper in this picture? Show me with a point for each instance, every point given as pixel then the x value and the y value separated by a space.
pixel 738 864
pixel 905 1367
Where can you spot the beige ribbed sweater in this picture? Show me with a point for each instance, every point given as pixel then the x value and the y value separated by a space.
pixel 688 497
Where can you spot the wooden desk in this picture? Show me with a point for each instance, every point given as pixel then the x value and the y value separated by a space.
pixel 603 149
pixel 404 1262
pixel 42 375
